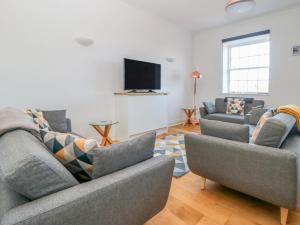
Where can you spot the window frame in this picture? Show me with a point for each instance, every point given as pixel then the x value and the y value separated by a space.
pixel 239 42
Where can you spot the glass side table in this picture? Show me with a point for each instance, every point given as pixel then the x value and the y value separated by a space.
pixel 106 140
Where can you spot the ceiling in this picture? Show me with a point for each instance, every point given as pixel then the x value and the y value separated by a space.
pixel 202 14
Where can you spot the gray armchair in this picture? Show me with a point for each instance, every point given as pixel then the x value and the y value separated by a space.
pixel 270 174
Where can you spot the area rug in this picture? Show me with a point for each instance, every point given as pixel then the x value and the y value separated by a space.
pixel 173 146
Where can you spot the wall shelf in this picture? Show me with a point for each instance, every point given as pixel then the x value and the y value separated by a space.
pixel 140 94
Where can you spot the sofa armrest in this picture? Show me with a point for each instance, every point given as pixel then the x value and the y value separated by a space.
pixel 254 115
pixel 131 196
pixel 266 173
pixel 203 112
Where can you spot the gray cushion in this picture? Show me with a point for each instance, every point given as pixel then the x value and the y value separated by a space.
pixel 226 118
pixel 229 131
pixel 221 105
pixel 119 156
pixel 275 130
pixel 210 107
pixel 29 169
pixel 57 120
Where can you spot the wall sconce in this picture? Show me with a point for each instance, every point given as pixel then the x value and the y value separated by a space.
pixel 84 41
pixel 170 60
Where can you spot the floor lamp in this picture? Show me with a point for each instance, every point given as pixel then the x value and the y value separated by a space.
pixel 196 75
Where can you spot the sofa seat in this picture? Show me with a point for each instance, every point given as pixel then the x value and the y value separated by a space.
pixel 226 118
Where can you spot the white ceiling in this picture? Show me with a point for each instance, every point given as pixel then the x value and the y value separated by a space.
pixel 202 14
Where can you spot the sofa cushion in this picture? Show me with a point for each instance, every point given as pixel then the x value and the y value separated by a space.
pixel 235 106
pixel 274 132
pixel 39 119
pixel 220 105
pixel 73 152
pixel 57 120
pixel 119 156
pixel 210 107
pixel 226 118
pixel 267 115
pixel 229 131
pixel 29 169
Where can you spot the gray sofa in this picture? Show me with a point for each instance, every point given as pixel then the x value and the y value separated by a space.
pixel 221 106
pixel 270 174
pixel 129 188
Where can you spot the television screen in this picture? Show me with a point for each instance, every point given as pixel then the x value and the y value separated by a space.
pixel 142 75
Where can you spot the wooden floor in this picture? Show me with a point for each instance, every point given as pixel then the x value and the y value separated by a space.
pixel 217 205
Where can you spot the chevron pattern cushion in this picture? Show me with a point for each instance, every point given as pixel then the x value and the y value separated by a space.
pixel 72 151
pixel 38 118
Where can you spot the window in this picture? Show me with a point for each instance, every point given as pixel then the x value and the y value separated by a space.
pixel 246 62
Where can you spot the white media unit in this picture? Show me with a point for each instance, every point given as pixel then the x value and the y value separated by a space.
pixel 139 113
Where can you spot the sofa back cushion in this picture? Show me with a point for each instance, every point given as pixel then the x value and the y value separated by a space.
pixel 220 105
pixel 57 120
pixel 29 169
pixel 255 103
pixel 115 157
pixel 229 131
pixel 275 130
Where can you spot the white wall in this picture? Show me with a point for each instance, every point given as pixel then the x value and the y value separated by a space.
pixel 42 66
pixel 284 69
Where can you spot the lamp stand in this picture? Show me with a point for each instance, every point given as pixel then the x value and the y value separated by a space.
pixel 195 92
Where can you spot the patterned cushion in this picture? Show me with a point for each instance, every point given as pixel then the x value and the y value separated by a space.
pixel 72 151
pixel 235 106
pixel 38 118
pixel 267 115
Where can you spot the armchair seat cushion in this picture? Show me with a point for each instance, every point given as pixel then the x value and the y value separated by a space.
pixel 226 118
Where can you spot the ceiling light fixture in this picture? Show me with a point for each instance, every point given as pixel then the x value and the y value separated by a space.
pixel 239 6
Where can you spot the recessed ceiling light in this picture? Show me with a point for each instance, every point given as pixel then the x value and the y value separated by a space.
pixel 240 6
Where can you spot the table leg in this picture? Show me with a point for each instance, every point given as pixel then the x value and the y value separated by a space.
pixel 105 134
pixel 189 113
pixel 105 139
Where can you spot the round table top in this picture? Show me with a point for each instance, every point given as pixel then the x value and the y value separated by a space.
pixel 104 123
pixel 190 108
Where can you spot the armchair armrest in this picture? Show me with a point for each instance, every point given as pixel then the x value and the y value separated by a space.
pixel 266 173
pixel 254 115
pixel 130 196
pixel 69 125
pixel 203 112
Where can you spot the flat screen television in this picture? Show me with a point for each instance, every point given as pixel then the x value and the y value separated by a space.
pixel 141 75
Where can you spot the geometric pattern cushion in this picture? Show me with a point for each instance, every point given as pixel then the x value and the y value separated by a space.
pixel 72 151
pixel 38 118
pixel 235 106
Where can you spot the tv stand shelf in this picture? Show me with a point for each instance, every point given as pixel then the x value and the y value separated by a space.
pixel 140 93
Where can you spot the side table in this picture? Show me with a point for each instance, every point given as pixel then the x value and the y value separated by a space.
pixel 106 140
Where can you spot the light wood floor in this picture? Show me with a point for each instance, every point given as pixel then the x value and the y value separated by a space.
pixel 217 205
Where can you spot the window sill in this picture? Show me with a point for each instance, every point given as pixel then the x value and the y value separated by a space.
pixel 247 94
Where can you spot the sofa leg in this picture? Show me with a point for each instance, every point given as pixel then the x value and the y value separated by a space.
pixel 203 183
pixel 283 215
